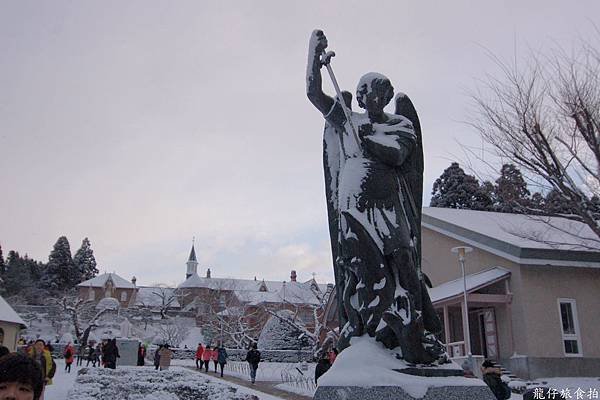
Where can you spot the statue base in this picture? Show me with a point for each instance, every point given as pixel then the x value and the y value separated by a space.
pixel 398 393
pixel 368 371
pixel 431 372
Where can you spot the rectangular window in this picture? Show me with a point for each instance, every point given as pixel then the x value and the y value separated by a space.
pixel 567 309
pixel 123 296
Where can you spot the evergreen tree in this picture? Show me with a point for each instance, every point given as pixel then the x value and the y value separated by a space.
pixel 85 261
pixel 455 189
pixel 17 276
pixel 2 274
pixel 2 265
pixel 537 203
pixel 61 272
pixel 555 203
pixel 510 192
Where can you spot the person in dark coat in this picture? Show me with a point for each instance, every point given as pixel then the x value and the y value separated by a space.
pixel 157 357
pixel 141 355
pixel 111 353
pixel 492 377
pixel 253 358
pixel 222 358
pixel 323 366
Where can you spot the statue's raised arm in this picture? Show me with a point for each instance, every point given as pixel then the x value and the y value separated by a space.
pixel 314 82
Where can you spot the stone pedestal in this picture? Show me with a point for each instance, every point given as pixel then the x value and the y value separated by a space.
pixel 397 393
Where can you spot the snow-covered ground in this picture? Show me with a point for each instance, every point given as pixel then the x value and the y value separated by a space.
pixel 62 382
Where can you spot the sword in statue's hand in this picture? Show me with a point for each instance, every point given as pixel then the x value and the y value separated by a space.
pixel 326 61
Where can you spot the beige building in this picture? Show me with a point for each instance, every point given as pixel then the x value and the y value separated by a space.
pixel 533 289
pixel 10 326
pixel 108 285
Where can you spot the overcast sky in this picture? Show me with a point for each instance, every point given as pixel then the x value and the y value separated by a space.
pixel 141 124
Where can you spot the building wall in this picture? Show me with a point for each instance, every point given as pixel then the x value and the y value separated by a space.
pixel 543 286
pixel 441 265
pixel 11 335
pixel 100 293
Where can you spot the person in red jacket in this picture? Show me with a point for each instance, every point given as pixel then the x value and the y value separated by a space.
pixel 199 351
pixel 69 356
pixel 206 357
pixel 214 357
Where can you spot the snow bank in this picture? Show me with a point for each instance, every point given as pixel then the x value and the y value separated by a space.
pixel 379 364
pixel 144 383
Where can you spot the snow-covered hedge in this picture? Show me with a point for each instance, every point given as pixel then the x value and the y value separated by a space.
pixel 131 383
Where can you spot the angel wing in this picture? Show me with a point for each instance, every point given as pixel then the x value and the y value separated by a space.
pixel 413 166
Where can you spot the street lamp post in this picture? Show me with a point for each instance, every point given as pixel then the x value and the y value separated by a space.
pixel 462 250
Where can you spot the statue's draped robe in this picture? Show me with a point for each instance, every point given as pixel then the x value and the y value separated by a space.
pixel 375 231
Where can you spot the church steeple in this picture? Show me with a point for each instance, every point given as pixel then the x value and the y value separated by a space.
pixel 192 263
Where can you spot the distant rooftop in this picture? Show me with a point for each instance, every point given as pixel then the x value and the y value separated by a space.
pixel 520 238
pixel 100 281
pixel 150 296
pixel 259 291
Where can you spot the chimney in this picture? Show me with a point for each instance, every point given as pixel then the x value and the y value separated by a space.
pixel 133 280
pixel 208 272
pixel 293 276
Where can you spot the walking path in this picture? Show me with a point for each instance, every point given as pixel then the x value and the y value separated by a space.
pixel 261 388
pixel 62 381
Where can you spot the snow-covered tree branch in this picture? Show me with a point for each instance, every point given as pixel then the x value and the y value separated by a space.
pixel 545 118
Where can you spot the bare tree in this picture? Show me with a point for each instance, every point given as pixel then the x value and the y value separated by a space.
pixel 313 328
pixel 75 308
pixel 172 331
pixel 167 297
pixel 227 317
pixel 545 118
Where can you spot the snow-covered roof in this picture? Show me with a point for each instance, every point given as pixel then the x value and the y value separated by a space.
pixel 475 282
pixel 249 291
pixel 7 314
pixel 152 296
pixel 100 281
pixel 521 238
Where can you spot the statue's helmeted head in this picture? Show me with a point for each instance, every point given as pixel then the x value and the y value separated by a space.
pixel 374 92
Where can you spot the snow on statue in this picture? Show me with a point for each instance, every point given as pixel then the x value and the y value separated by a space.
pixel 374 172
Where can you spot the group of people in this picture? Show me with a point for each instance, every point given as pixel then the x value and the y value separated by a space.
pixel 103 354
pixel 218 355
pixel 204 355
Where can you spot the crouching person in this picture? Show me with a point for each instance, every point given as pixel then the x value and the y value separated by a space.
pixel 20 378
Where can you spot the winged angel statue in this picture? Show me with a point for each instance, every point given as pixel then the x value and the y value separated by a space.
pixel 374 179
